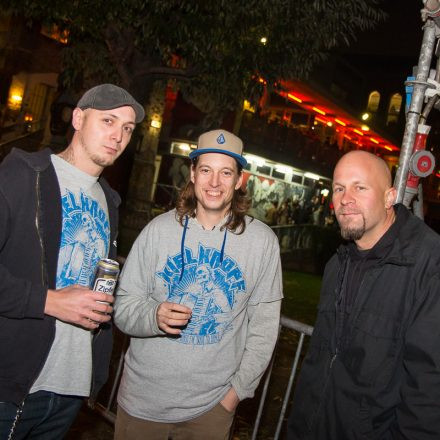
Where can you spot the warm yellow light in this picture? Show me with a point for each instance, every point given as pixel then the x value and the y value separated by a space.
pixel 374 140
pixel 295 98
pixel 155 123
pixel 247 106
pixel 317 118
pixel 358 132
pixel 365 116
pixel 330 124
pixel 388 148
pixel 185 147
pixel 365 128
pixel 263 40
pixel 16 99
pixel 318 110
pixel 340 122
pixel 325 192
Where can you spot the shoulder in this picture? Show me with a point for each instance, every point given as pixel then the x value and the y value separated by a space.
pixel 259 232
pixel 109 192
pixel 162 223
pixel 417 238
pixel 37 161
pixel 18 169
pixel 257 226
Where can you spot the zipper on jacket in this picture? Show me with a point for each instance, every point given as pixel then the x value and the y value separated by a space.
pixel 16 419
pixel 44 278
pixel 37 225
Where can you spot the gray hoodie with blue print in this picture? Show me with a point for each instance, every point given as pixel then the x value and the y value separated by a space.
pixel 233 285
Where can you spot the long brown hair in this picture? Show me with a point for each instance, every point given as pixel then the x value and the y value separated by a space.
pixel 187 203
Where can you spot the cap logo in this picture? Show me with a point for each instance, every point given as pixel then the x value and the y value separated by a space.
pixel 221 139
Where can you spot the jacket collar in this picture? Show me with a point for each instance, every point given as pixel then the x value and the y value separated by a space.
pixel 402 252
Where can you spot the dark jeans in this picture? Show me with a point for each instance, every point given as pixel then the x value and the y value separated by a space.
pixel 45 416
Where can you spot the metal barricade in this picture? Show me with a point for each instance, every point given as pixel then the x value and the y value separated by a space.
pixel 105 410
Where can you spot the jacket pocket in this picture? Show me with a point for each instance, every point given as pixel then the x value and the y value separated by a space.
pixel 370 352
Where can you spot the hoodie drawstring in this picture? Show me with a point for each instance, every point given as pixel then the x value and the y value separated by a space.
pixel 182 247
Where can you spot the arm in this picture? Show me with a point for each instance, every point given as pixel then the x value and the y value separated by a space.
pixel 417 415
pixel 263 328
pixel 137 313
pixel 263 322
pixel 21 298
pixel 30 302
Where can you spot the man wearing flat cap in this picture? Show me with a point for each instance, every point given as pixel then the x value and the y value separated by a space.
pixel 200 296
pixel 58 218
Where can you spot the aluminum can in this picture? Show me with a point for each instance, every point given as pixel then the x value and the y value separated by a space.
pixel 106 276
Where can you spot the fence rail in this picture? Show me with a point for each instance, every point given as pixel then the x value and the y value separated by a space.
pixel 303 330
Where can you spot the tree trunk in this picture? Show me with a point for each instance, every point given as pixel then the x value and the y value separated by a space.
pixel 137 212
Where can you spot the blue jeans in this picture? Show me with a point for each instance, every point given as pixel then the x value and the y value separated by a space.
pixel 45 416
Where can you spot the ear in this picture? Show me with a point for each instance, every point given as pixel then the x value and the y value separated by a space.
pixel 77 118
pixel 192 171
pixel 239 181
pixel 390 197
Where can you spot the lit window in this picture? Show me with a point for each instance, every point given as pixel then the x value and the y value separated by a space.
pixel 394 108
pixel 373 101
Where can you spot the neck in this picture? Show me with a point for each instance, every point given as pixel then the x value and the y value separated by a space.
pixel 73 156
pixel 209 219
pixel 368 241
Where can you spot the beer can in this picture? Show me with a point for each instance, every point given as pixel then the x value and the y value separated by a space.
pixel 106 276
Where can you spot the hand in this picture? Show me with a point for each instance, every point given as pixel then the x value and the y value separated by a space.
pixel 230 401
pixel 78 305
pixel 171 315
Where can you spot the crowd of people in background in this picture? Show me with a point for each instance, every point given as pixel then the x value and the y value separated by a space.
pixel 294 212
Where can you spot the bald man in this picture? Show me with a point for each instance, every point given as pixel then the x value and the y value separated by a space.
pixel 372 370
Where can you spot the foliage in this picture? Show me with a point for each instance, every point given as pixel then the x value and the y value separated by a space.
pixel 301 296
pixel 211 47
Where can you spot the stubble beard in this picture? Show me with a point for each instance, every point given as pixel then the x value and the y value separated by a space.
pixel 96 158
pixel 353 232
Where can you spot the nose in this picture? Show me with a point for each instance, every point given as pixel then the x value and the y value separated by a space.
pixel 347 197
pixel 117 134
pixel 214 181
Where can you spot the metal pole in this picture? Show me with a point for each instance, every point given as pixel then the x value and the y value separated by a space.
pixel 289 387
pixel 415 108
pixel 263 399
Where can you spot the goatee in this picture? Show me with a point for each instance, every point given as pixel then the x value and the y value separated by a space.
pixel 353 233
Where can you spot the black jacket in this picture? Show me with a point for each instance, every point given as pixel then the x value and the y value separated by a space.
pixel 379 378
pixel 30 233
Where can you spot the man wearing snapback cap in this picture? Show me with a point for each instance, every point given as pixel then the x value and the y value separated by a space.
pixel 200 295
pixel 58 218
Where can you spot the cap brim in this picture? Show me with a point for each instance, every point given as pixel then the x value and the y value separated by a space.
pixel 138 109
pixel 240 159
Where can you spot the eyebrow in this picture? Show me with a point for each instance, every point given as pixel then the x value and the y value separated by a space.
pixel 117 117
pixel 356 182
pixel 221 169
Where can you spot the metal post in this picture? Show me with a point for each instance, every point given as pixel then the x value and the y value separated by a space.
pixel 415 108
pixel 262 399
pixel 289 387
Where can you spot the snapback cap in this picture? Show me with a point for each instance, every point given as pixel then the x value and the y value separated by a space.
pixel 220 141
pixel 108 97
